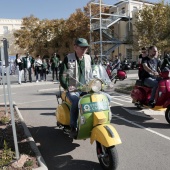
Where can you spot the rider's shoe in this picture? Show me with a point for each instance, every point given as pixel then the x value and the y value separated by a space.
pixel 151 104
pixel 73 133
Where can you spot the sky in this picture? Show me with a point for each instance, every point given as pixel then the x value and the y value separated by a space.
pixel 45 9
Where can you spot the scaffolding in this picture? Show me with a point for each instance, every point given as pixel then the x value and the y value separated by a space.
pixel 100 23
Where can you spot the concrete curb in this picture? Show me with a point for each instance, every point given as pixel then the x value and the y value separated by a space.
pixel 41 162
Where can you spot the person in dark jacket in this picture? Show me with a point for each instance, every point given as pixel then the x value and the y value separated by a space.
pixel 143 54
pixel 165 66
pixel 20 66
pixel 54 66
pixel 151 72
pixel 28 62
pixel 44 69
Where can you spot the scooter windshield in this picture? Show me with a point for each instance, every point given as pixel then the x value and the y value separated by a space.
pixel 98 71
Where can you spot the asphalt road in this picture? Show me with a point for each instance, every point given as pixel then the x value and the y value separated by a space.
pixel 145 134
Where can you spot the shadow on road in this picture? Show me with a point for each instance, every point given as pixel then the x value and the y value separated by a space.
pixel 142 119
pixel 55 147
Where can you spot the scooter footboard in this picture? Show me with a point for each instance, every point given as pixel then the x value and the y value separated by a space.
pixel 105 134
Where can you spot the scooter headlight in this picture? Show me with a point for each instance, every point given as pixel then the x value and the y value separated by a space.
pixel 96 85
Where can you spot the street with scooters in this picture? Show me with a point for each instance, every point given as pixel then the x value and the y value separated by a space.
pixel 144 133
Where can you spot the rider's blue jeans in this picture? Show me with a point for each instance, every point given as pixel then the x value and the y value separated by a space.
pixel 74 99
pixel 153 83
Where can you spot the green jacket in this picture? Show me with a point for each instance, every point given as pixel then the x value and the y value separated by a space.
pixel 44 66
pixel 55 62
pixel 25 61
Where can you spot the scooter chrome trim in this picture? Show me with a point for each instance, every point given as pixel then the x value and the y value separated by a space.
pixel 101 134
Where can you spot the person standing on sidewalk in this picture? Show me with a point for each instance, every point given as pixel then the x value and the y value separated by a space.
pixel 38 67
pixel 28 62
pixel 44 69
pixel 54 66
pixel 19 64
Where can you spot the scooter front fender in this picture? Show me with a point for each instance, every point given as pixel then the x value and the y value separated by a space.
pixel 105 134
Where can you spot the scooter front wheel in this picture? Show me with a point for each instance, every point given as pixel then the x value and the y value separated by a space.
pixel 167 115
pixel 107 157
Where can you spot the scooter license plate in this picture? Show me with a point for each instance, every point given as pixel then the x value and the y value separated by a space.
pixel 95 106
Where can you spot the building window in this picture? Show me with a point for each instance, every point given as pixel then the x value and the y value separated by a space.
pixel 129 54
pixel 5 28
pixel 123 10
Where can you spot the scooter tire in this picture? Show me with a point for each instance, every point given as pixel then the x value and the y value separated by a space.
pixel 167 115
pixel 107 156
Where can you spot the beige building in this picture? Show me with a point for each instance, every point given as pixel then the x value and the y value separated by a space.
pixel 7 27
pixel 117 30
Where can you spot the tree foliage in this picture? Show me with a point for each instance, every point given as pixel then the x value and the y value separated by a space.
pixel 152 24
pixel 47 36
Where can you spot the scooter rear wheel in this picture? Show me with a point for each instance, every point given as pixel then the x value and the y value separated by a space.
pixel 108 157
pixel 167 115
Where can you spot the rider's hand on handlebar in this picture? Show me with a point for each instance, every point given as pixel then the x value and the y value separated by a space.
pixel 72 88
pixel 156 74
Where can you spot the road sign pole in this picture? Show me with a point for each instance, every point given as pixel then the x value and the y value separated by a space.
pixel 3 80
pixel 10 98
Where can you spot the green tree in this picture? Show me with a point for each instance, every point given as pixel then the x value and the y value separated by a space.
pixel 152 26
pixel 47 36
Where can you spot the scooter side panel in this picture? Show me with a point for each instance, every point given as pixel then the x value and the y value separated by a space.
pixel 105 134
pixel 63 114
pixel 86 118
pixel 168 85
pixel 161 93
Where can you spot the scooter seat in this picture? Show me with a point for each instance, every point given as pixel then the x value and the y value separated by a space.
pixel 139 83
pixel 65 98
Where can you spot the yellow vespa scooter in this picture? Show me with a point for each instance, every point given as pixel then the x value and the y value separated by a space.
pixel 94 118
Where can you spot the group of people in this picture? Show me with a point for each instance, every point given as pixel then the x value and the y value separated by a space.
pixel 40 67
pixel 150 67
pixel 80 64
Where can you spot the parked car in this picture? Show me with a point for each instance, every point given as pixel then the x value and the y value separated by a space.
pixel 1 65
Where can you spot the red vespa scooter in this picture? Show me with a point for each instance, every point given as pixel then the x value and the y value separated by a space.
pixel 115 74
pixel 141 95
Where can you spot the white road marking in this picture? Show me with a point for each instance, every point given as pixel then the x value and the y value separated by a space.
pixel 52 89
pixel 142 127
pixel 117 103
pixel 122 97
pixel 7 94
pixel 35 101
pixel 127 101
